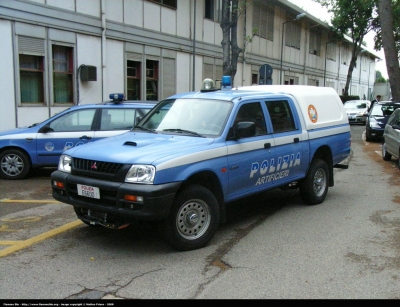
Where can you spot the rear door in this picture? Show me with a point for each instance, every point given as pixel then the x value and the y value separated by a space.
pixel 115 121
pixel 392 136
pixel 290 144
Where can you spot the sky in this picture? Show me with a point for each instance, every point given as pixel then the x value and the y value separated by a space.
pixel 321 13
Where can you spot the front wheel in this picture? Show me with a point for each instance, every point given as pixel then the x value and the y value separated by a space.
pixel 14 164
pixel 193 220
pixel 314 186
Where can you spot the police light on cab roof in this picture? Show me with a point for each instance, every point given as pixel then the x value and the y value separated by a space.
pixel 117 97
pixel 209 84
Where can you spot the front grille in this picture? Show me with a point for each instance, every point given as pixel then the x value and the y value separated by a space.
pixel 96 166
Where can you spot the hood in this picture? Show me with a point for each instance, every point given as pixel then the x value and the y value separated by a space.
pixel 139 147
pixel 33 129
pixel 355 110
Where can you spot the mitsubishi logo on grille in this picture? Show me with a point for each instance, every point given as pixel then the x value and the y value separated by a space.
pixel 94 166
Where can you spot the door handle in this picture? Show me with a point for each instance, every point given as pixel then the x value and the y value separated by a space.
pixel 85 137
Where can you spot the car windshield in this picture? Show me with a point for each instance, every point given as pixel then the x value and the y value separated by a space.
pixel 195 117
pixel 382 110
pixel 355 105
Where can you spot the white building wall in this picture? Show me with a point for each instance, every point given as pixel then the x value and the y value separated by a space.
pixel 64 4
pixel 7 88
pixel 152 13
pixel 89 53
pixel 178 25
pixel 115 76
pixel 184 19
pixel 198 73
pixel 168 21
pixel 133 13
pixel 115 10
pixel 89 7
pixel 183 78
pixel 209 32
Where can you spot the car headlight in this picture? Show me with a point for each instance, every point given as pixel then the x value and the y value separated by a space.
pixel 64 164
pixel 373 123
pixel 141 174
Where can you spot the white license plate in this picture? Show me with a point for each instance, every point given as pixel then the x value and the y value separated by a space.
pixel 88 191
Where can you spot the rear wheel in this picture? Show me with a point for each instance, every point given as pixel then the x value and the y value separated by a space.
pixel 385 155
pixel 14 164
pixel 314 186
pixel 193 220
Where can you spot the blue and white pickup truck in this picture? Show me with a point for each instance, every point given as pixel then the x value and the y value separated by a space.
pixel 194 153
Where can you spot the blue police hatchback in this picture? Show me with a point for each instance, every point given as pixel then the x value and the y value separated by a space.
pixel 40 145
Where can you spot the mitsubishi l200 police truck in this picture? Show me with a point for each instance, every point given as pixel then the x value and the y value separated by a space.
pixel 194 153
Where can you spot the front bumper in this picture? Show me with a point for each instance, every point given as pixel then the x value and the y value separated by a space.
pixel 156 205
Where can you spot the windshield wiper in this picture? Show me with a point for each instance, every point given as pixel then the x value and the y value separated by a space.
pixel 185 131
pixel 145 129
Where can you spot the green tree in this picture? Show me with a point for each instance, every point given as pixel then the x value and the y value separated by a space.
pixel 230 48
pixel 354 19
pixel 231 12
pixel 389 33
pixel 396 27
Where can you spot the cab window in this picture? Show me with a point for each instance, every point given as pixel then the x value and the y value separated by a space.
pixel 252 112
pixel 281 116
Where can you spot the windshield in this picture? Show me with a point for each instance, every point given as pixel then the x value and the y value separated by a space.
pixel 355 105
pixel 35 124
pixel 382 110
pixel 196 117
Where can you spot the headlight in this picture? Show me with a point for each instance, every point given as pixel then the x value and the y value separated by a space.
pixel 373 123
pixel 141 174
pixel 64 164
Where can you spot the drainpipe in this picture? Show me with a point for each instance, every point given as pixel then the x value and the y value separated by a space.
pixel 194 47
pixel 103 49
pixel 244 51
pixel 307 50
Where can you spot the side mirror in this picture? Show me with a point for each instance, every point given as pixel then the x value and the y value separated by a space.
pixel 46 128
pixel 245 129
pixel 397 127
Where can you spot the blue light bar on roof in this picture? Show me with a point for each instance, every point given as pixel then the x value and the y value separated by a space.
pixel 117 97
pixel 226 82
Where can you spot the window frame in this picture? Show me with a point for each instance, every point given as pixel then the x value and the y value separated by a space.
pixel 69 72
pixel 39 60
pixel 172 4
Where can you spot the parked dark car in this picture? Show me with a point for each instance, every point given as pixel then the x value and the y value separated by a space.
pixel 378 117
pixel 391 138
pixel 41 144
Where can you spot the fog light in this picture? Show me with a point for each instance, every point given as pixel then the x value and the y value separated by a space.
pixel 133 198
pixel 58 184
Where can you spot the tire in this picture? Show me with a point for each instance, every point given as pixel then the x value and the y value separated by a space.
pixel 314 186
pixel 14 164
pixel 385 155
pixel 193 220
pixel 367 137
